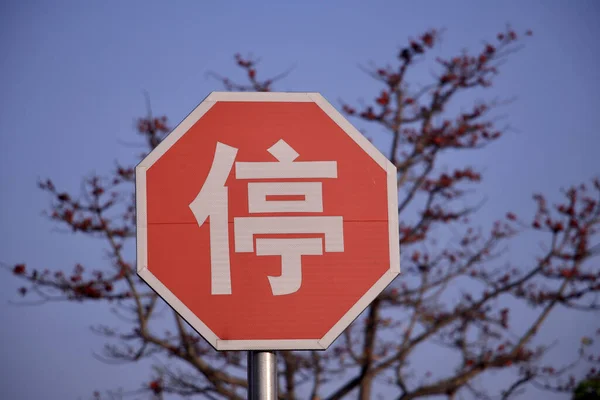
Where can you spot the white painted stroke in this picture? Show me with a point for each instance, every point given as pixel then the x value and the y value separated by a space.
pixel 297 169
pixel 291 252
pixel 212 201
pixel 246 227
pixel 286 167
pixel 258 192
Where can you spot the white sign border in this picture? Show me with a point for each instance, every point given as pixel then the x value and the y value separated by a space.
pixel 270 344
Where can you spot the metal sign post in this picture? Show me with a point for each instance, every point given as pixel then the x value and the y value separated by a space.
pixel 262 375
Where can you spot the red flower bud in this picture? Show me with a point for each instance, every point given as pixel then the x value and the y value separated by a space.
pixel 427 39
pixel 19 269
pixel 155 386
pixel 383 99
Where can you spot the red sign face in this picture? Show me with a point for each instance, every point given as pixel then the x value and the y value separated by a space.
pixel 267 221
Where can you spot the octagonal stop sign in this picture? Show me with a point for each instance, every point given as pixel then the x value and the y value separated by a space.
pixel 267 221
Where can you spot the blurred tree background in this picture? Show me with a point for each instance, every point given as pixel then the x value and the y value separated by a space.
pixel 467 298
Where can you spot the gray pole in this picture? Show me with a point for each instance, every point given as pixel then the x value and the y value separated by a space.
pixel 262 375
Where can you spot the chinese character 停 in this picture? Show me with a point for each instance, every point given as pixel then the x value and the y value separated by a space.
pixel 212 201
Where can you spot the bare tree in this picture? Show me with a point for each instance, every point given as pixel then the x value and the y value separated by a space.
pixel 456 299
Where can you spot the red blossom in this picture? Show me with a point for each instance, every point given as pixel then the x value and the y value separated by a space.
pixel 155 386
pixel 567 273
pixel 348 110
pixel 393 80
pixel 19 269
pixel 416 47
pixel 448 78
pixel 368 114
pixel 415 257
pixel 427 38
pixel 558 227
pixel 383 99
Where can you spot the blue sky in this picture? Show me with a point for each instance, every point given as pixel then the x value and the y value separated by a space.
pixel 73 77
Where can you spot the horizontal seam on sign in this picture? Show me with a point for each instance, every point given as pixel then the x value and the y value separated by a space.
pixel 231 222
